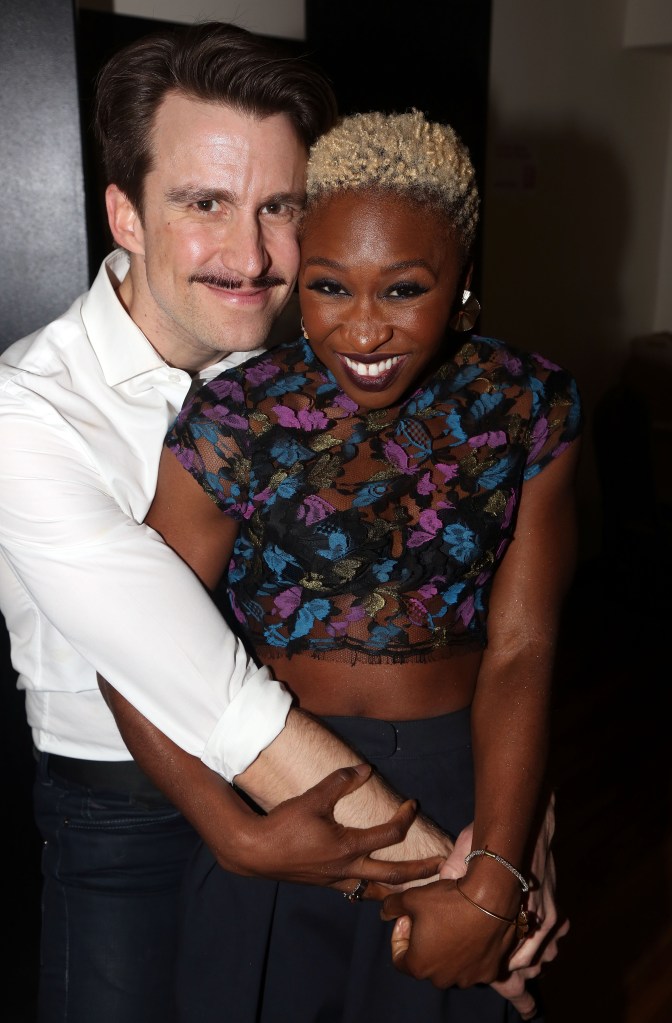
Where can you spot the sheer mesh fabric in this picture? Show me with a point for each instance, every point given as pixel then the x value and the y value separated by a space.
pixel 372 536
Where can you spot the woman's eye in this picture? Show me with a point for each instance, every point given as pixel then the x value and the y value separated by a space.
pixel 406 289
pixel 327 287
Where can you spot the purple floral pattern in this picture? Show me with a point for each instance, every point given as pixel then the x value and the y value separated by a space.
pixel 373 532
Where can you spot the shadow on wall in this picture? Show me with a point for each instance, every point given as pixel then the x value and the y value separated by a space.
pixel 559 226
pixel 558 223
pixel 22 845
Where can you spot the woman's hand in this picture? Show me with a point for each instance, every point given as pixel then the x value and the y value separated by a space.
pixel 539 947
pixel 442 938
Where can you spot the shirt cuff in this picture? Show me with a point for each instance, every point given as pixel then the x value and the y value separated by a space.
pixel 253 719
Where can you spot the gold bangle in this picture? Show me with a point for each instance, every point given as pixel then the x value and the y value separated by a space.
pixel 520 921
pixel 488 912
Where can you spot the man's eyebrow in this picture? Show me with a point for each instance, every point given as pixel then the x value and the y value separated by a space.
pixel 297 199
pixel 198 193
pixel 186 194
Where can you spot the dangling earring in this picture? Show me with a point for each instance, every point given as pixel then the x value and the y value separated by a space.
pixel 303 330
pixel 466 316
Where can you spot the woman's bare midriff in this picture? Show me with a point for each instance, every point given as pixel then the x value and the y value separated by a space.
pixel 390 691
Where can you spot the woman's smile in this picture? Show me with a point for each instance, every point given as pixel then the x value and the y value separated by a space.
pixel 377 285
pixel 372 373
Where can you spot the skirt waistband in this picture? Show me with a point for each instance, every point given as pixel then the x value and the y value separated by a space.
pixel 373 737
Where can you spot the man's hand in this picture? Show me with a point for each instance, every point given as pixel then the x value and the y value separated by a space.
pixel 541 943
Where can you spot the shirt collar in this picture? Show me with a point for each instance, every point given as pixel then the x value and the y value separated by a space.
pixel 121 348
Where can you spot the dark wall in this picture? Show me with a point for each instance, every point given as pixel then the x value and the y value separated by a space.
pixel 43 255
pixel 392 55
pixel 43 267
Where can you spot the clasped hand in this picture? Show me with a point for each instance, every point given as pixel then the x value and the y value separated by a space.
pixel 426 943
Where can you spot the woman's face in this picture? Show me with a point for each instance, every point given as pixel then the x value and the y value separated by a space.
pixel 378 282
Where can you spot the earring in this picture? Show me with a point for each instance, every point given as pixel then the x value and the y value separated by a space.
pixel 303 330
pixel 466 316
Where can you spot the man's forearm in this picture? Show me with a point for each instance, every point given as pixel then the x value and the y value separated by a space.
pixel 298 839
pixel 303 754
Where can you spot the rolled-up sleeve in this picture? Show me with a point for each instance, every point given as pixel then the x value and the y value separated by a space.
pixel 116 594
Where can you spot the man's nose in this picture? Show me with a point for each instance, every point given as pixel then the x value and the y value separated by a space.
pixel 243 248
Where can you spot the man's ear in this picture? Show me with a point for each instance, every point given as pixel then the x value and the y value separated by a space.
pixel 124 221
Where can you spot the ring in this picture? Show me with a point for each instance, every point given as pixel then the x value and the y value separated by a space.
pixel 356 894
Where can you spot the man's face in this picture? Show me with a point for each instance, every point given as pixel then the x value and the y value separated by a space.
pixel 217 251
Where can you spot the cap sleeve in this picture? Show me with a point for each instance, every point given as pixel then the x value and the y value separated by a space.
pixel 556 417
pixel 210 440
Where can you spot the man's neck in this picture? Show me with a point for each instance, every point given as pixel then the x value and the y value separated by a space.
pixel 127 293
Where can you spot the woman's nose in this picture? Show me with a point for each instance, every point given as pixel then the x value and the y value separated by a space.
pixel 368 333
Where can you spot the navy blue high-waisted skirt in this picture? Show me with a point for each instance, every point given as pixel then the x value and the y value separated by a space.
pixel 261 952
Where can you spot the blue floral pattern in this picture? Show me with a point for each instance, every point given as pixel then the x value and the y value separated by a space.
pixel 376 532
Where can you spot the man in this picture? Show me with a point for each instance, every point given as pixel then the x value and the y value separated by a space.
pixel 204 196
pixel 204 140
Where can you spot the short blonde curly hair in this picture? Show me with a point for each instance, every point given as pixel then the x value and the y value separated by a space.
pixel 400 153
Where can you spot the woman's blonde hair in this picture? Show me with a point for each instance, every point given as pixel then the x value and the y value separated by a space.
pixel 400 153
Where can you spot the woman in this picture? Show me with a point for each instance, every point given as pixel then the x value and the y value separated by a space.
pixel 394 504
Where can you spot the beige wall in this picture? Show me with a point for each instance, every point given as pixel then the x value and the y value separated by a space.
pixel 282 18
pixel 578 198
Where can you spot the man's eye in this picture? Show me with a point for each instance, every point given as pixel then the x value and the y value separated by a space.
pixel 279 211
pixel 327 287
pixel 207 205
pixel 406 289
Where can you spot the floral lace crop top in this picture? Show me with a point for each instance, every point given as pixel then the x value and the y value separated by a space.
pixel 372 535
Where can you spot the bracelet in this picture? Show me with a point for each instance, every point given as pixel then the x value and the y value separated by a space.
pixel 356 894
pixel 500 859
pixel 520 921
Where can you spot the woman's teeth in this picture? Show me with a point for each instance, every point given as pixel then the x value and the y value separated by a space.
pixel 371 369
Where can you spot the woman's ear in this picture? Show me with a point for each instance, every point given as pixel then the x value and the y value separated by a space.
pixel 466 308
pixel 124 220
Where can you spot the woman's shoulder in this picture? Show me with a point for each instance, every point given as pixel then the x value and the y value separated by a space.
pixel 537 392
pixel 263 369
pixel 503 359
pixel 265 375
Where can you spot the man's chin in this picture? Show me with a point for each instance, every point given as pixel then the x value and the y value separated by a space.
pixel 249 339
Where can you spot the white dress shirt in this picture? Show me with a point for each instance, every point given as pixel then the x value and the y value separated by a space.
pixel 84 585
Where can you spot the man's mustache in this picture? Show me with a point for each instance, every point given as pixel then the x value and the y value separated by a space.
pixel 232 283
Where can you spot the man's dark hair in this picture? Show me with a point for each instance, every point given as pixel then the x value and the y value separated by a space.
pixel 211 61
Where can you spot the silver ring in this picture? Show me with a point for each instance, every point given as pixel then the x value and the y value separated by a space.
pixel 356 894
